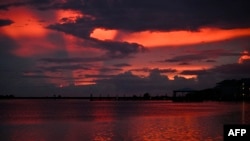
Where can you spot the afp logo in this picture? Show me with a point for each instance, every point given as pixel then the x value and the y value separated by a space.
pixel 237 132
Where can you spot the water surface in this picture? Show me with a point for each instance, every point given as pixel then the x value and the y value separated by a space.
pixel 82 120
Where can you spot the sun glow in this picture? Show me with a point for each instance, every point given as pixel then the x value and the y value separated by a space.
pixel 171 38
pixel 65 16
pixel 245 56
pixel 104 34
pixel 25 23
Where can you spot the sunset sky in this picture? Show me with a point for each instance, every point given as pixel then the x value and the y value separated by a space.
pixel 124 47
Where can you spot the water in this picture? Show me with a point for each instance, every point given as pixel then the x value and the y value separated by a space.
pixel 81 120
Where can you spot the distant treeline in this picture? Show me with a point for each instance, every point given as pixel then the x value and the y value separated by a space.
pixel 226 90
pixel 146 96
pixel 6 96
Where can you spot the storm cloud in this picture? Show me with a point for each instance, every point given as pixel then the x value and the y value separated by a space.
pixel 5 22
pixel 161 14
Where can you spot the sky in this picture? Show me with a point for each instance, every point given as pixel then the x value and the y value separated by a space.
pixel 121 47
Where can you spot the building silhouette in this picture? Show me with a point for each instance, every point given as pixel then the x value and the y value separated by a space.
pixel 233 89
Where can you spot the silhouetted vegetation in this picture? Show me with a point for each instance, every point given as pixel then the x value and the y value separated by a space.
pixel 226 90
pixel 233 90
pixel 146 96
pixel 7 96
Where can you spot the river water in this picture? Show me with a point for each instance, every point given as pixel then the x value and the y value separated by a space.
pixel 82 120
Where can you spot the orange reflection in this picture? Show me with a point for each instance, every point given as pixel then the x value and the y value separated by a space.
pixel 176 38
pixel 175 128
pixel 103 112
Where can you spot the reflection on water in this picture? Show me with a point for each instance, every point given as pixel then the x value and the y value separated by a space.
pixel 243 113
pixel 77 120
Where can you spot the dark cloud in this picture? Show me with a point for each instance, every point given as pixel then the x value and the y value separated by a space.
pixel 34 74
pixel 186 58
pixel 211 61
pixel 60 68
pixel 117 49
pixel 151 14
pixel 131 84
pixel 40 76
pixel 184 63
pixel 234 70
pixel 155 83
pixel 208 78
pixel 33 71
pixel 98 76
pixel 202 55
pixel 82 28
pixel 169 70
pixel 112 50
pixel 193 72
pixel 62 64
pixel 122 65
pixel 12 69
pixel 5 5
pixel 108 69
pixel 5 22
pixel 73 60
pixel 161 14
